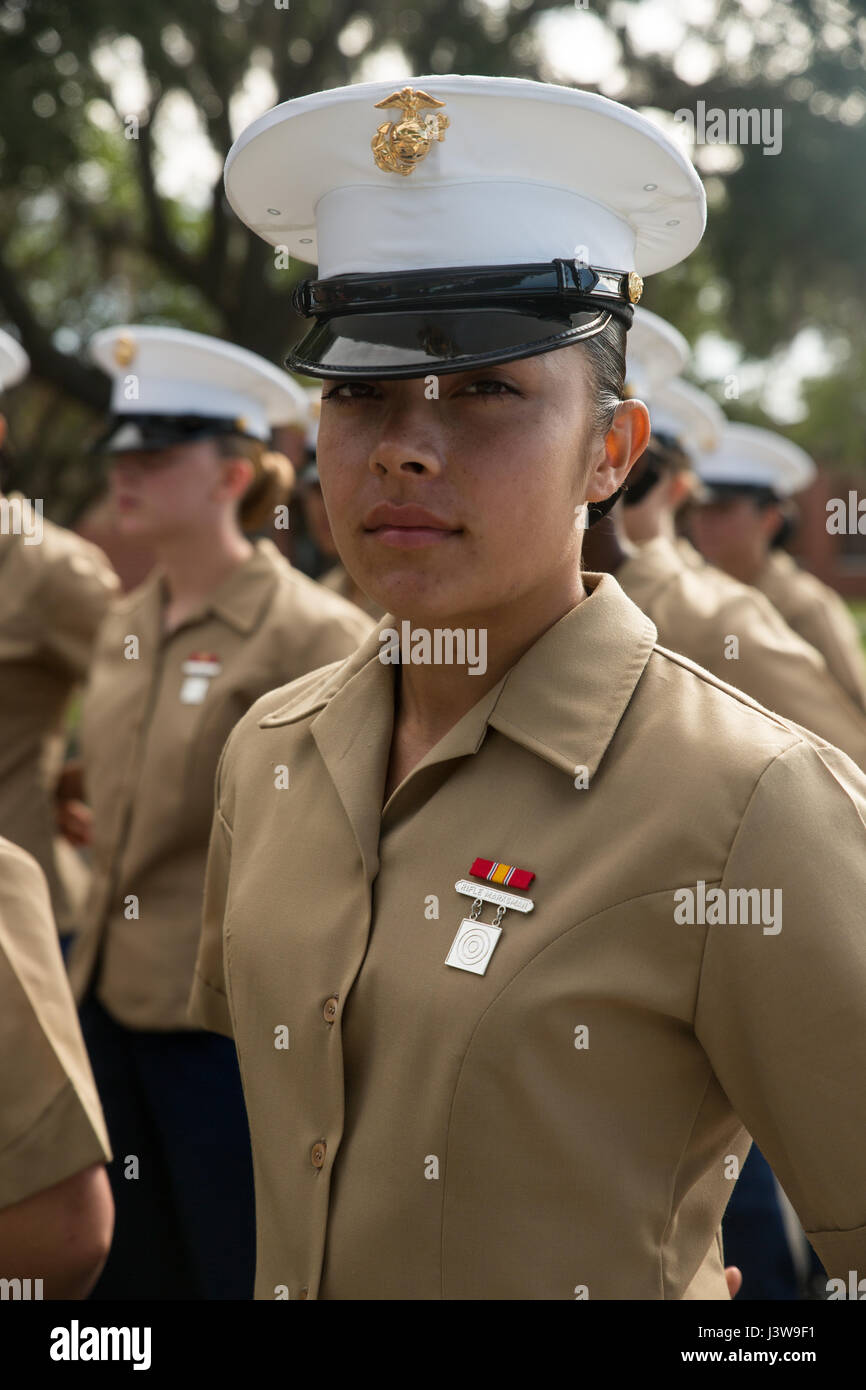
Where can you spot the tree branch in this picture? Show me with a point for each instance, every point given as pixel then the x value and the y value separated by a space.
pixel 160 242
pixel 89 384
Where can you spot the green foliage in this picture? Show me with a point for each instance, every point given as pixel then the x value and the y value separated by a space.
pixel 835 430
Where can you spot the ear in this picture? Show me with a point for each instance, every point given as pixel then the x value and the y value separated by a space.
pixel 236 475
pixel 679 486
pixel 623 445
pixel 770 521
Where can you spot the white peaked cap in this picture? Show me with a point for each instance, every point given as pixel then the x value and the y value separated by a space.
pixel 170 371
pixel 751 457
pixel 14 362
pixel 656 352
pixel 691 416
pixel 526 172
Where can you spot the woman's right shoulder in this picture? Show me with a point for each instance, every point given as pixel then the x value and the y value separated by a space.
pixel 294 700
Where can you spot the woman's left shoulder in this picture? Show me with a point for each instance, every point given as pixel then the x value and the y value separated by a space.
pixel 712 730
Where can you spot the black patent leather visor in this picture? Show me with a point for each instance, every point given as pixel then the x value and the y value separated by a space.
pixel 713 492
pixel 142 433
pixel 408 344
pixel 454 318
pixel 451 319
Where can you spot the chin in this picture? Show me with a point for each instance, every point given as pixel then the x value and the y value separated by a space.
pixel 422 598
pixel 134 524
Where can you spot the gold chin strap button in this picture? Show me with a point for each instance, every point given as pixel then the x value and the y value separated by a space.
pixel 635 286
pixel 398 146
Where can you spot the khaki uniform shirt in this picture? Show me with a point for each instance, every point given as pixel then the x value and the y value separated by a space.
pixel 697 611
pixel 53 596
pixel 338 581
pixel 51 1123
pixel 152 731
pixel 820 616
pixel 692 558
pixel 566 1122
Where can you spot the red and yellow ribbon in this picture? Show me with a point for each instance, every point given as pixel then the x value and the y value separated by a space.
pixel 507 874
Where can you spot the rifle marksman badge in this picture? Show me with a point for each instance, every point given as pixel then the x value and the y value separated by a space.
pixel 476 941
pixel 399 145
pixel 198 671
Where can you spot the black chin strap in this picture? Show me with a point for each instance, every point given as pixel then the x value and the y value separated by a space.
pixel 596 510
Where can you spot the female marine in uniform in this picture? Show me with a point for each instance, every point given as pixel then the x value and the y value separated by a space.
pixel 178 661
pixel 546 936
pixel 747 514
pixel 55 588
pixel 56 1211
pixel 725 626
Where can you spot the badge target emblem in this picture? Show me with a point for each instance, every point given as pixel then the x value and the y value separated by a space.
pixel 476 941
pixel 473 946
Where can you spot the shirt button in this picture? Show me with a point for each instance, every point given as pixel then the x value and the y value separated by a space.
pixel 330 1009
pixel 317 1153
pixel 303 1293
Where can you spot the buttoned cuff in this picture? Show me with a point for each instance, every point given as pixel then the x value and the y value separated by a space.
pixel 209 1007
pixel 841 1251
pixel 61 1143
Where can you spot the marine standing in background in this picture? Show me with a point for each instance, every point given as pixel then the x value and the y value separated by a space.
pixel 750 482
pixel 178 661
pixel 727 627
pixel 709 616
pixel 56 1213
pixel 55 588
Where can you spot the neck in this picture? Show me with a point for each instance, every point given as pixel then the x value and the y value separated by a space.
pixel 195 565
pixel 664 528
pixel 356 595
pixel 432 698
pixel 744 566
pixel 605 546
pixel 747 571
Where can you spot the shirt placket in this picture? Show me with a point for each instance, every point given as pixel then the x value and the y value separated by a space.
pixel 134 769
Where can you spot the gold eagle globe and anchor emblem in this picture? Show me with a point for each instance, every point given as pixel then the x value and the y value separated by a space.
pixel 125 350
pixel 398 146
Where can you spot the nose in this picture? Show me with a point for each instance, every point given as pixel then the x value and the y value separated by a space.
pixel 127 467
pixel 409 438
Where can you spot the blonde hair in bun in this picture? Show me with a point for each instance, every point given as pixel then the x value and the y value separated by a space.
pixel 272 485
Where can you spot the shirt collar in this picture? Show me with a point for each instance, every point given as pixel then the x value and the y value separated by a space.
pixel 778 562
pixel 562 700
pixel 238 600
pixel 651 566
pixel 565 697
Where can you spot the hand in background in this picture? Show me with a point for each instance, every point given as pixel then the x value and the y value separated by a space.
pixel 73 816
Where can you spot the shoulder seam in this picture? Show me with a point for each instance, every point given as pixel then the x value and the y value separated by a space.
pixel 717 683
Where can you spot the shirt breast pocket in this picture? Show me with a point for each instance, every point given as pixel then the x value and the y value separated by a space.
pixel 213 717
